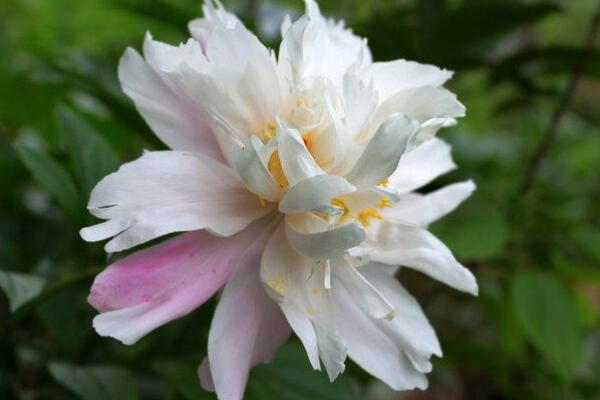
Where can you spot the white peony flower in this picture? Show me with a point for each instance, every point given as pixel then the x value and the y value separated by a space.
pixel 293 177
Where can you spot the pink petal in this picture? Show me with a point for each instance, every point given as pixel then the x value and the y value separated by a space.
pixel 247 329
pixel 159 284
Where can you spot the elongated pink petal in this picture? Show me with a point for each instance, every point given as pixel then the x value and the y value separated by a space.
pixel 247 329
pixel 159 284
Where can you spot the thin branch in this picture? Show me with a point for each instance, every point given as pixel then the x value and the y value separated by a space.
pixel 561 108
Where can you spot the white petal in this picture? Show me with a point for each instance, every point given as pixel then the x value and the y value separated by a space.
pixel 214 16
pixel 296 161
pixel 381 156
pixel 418 249
pixel 371 300
pixel 247 328
pixel 410 327
pixel 252 170
pixel 314 46
pixel 359 102
pixel 422 165
pixel 314 192
pixel 422 104
pixel 326 244
pixel 251 82
pixel 422 210
pixel 297 284
pixel 169 59
pixel 393 76
pixel 372 349
pixel 173 117
pixel 169 191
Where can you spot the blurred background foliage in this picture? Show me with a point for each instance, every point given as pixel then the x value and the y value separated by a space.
pixel 533 241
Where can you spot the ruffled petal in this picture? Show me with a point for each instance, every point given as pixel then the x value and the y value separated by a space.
pixel 421 166
pixel 166 192
pixel 393 76
pixel 149 288
pixel 314 46
pixel 247 329
pixel 214 16
pixel 173 117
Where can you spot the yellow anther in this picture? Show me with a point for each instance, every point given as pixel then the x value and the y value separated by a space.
pixel 310 310
pixel 341 203
pixel 268 132
pixel 302 102
pixel 385 182
pixel 316 290
pixel 308 141
pixel 384 202
pixel 262 201
pixel 276 169
pixel 277 284
pixel 366 214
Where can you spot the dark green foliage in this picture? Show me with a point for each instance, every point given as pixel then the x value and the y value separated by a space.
pixel 534 331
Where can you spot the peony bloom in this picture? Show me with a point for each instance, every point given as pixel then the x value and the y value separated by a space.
pixel 292 178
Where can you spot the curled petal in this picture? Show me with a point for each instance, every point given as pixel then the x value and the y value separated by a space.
pixel 297 162
pixel 326 244
pixel 393 76
pixel 314 192
pixel 251 168
pixel 382 154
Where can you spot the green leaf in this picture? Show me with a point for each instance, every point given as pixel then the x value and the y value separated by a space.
pixel 476 231
pixel 52 177
pixel 92 156
pixel 182 377
pixel 546 313
pixel 290 377
pixel 98 382
pixel 20 288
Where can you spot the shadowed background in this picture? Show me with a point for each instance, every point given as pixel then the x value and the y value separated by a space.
pixel 528 72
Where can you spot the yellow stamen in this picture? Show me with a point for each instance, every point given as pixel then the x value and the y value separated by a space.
pixel 385 182
pixel 384 202
pixel 316 290
pixel 341 203
pixel 274 166
pixel 308 141
pixel 302 102
pixel 268 132
pixel 366 214
pixel 310 310
pixel 262 201
pixel 277 284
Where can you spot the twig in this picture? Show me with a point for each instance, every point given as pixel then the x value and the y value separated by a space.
pixel 561 108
